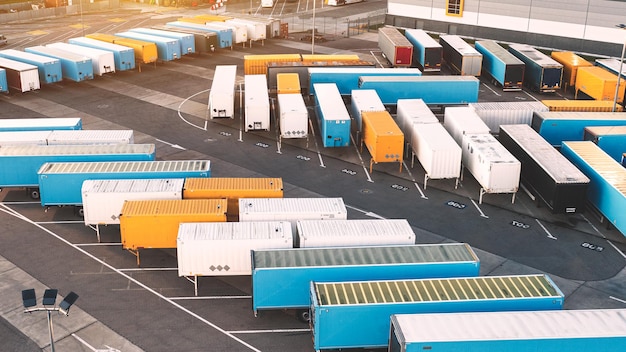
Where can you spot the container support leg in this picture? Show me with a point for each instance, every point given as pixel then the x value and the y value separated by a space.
pixel 194 281
pixel 425 181
pixel 135 252
pixel 480 198
pixel 513 197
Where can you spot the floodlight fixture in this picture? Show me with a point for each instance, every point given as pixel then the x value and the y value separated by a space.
pixel 68 301
pixel 50 297
pixel 28 298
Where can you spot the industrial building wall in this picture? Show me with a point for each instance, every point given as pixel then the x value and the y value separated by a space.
pixel 577 25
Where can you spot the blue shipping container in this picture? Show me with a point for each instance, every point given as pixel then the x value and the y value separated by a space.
pixel 357 314
pixel 49 68
pixel 168 49
pixel 542 73
pixel 504 67
pixel 559 126
pixel 281 277
pixel 124 56
pixel 433 90
pixel 607 189
pixel 60 183
pixel 427 52
pixel 332 115
pixel 224 36
pixel 597 330
pixel 4 84
pixel 347 78
pixel 611 139
pixel 186 41
pixel 74 67
pixel 41 124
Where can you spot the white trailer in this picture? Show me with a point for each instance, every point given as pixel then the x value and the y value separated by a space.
pixel 21 76
pixel 291 209
pixel 437 151
pixel 90 137
pixel 257 103
pixel 410 112
pixel 24 138
pixel 495 114
pixel 461 120
pixel 103 199
pixel 222 94
pixel 492 165
pixel 102 61
pixel 240 31
pixel 364 100
pixel 293 116
pixel 223 248
pixel 256 30
pixel 347 233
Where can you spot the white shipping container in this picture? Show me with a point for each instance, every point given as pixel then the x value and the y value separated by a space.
pixel 240 32
pixel 364 100
pixel 492 165
pixel 461 120
pixel 293 116
pixel 24 137
pixel 102 61
pixel 223 248
pixel 257 103
pixel 291 209
pixel 437 151
pixel 495 114
pixel 21 76
pixel 222 95
pixel 89 137
pixel 346 233
pixel 255 30
pixel 39 123
pixel 103 199
pixel 410 112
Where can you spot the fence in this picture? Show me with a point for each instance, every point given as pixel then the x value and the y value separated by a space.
pixel 333 26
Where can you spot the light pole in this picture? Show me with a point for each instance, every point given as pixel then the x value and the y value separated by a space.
pixel 313 31
pixel 29 300
pixel 621 63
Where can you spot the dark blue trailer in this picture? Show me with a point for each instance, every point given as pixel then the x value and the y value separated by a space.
pixel 433 90
pixel 427 53
pixel 607 189
pixel 506 69
pixel 186 40
pixel 41 124
pixel 205 42
pixel 281 277
pixel 358 314
pixel 74 67
pixel 60 183
pixel 124 56
pixel 593 330
pixel 611 139
pixel 542 73
pixel 19 164
pixel 559 126
pixel 224 35
pixel 49 68
pixel 347 78
pixel 168 49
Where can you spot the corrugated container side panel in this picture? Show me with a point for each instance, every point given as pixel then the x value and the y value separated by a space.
pixel 257 64
pixel 293 116
pixel 495 168
pixel 506 113
pixel 288 83
pixel 459 121
pixel 599 84
pixel 257 104
pixel 437 151
pixel 571 62
pixel 345 233
pixel 154 223
pixel 383 138
pixel 410 112
pixel 582 105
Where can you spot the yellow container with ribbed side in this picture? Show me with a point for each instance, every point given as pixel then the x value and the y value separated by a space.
pixel 329 58
pixel 192 20
pixel 382 137
pixel 213 18
pixel 257 64
pixel 145 52
pixel 599 84
pixel 288 83
pixel 571 62
pixel 581 105
pixel 233 188
pixel 154 223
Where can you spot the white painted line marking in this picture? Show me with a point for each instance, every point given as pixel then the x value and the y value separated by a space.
pixel 187 122
pixel 479 210
pixel 149 269
pixel 358 153
pixel 175 146
pixel 546 230
pixel 617 299
pixel 17 203
pixel 492 91
pixel 273 331
pixel 413 179
pixel 98 244
pixel 59 222
pixel 208 298
pixel 368 213
pixel 317 148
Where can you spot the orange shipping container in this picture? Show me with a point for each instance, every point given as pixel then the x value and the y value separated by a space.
pixel 571 62
pixel 145 52
pixel 154 223
pixel 233 188
pixel 287 83
pixel 257 64
pixel 329 58
pixel 582 105
pixel 383 137
pixel 599 84
pixel 213 18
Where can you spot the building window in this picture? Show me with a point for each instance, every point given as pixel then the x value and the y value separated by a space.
pixel 454 8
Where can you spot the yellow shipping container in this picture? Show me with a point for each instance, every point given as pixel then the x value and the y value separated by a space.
pixel 191 20
pixel 233 188
pixel 571 62
pixel 213 18
pixel 383 137
pixel 329 58
pixel 582 105
pixel 154 223
pixel 257 64
pixel 599 84
pixel 288 83
pixel 145 52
